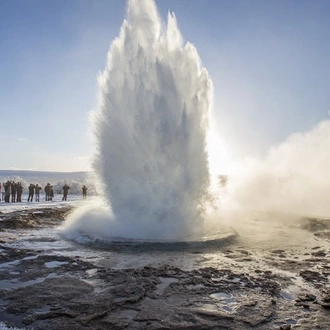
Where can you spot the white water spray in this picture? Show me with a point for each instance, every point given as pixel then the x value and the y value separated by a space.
pixel 150 130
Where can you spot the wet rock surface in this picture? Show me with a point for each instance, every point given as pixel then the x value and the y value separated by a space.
pixel 29 219
pixel 276 289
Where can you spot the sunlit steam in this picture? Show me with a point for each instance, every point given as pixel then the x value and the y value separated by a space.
pixel 294 177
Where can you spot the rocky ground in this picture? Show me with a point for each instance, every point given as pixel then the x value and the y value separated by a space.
pixel 47 291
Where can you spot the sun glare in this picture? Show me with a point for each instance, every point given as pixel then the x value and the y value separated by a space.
pixel 219 161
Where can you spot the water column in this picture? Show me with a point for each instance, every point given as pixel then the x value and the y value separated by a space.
pixel 150 128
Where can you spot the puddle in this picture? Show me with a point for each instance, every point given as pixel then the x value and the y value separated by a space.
pixel 227 301
pixel 42 310
pixel 287 295
pixel 91 272
pixel 14 273
pixel 223 296
pixel 17 284
pixel 210 307
pixel 235 280
pixel 31 257
pixel 9 264
pixel 165 282
pixel 287 322
pixel 54 264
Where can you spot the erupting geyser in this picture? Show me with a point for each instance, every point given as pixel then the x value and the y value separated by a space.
pixel 150 132
pixel 150 127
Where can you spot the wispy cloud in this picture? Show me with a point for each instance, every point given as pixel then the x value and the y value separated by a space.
pixel 22 139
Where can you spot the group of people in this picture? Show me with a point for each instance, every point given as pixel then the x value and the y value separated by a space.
pixel 11 192
pixel 35 189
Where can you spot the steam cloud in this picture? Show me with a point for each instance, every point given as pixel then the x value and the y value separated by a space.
pixel 293 178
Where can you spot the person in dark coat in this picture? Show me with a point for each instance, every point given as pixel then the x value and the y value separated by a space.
pixel 51 193
pixel 37 191
pixel 31 192
pixel 84 192
pixel 13 191
pixel 3 193
pixel 7 191
pixel 19 192
pixel 65 192
pixel 47 192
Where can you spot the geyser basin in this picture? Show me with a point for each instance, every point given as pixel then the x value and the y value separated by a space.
pixel 92 225
pixel 119 244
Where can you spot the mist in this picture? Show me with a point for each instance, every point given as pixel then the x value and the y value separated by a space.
pixel 293 177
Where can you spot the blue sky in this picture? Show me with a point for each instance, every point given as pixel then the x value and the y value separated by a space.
pixel 269 62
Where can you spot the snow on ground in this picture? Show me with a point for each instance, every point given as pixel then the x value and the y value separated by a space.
pixel 74 200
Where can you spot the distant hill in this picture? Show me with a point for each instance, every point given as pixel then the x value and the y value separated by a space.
pixel 42 176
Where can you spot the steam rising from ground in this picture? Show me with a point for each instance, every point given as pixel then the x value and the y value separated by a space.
pixel 294 177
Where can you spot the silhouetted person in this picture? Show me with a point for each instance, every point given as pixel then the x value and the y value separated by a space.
pixel 13 192
pixel 84 192
pixel 47 192
pixel 7 191
pixel 3 193
pixel 19 192
pixel 65 192
pixel 51 193
pixel 31 192
pixel 37 191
